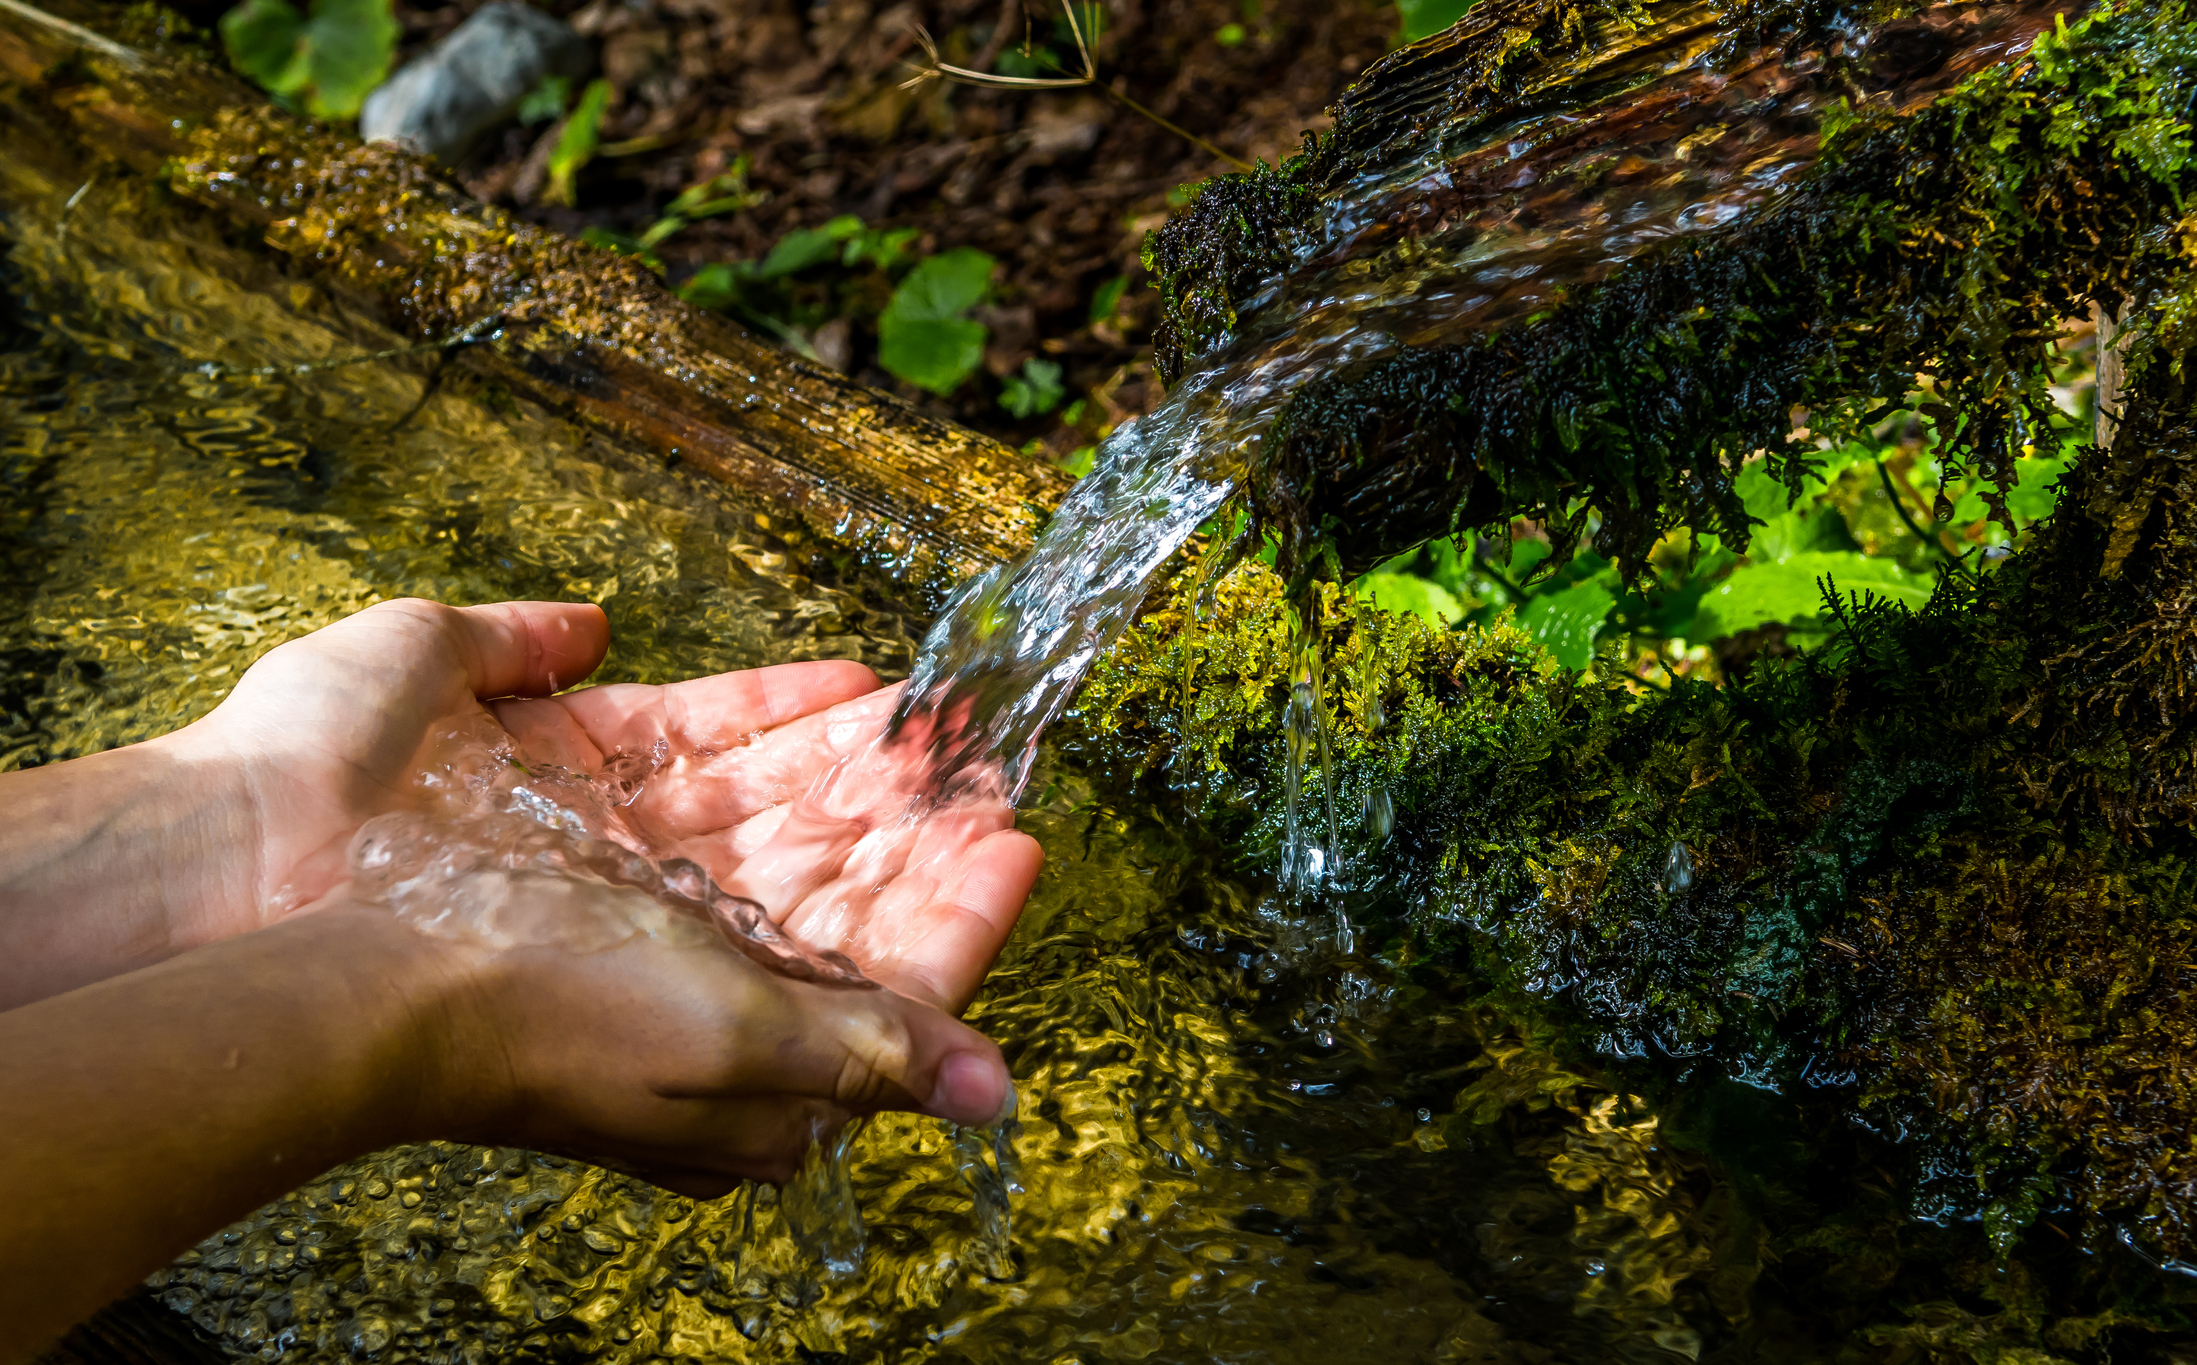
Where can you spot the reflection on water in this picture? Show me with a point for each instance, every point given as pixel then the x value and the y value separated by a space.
pixel 1240 1139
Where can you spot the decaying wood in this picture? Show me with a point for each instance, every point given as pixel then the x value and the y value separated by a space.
pixel 114 135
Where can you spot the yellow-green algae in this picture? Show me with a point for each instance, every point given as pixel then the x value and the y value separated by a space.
pixel 1949 241
pixel 1940 871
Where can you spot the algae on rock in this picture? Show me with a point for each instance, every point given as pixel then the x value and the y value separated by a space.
pixel 1937 879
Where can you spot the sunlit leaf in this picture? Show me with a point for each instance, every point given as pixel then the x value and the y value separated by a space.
pixel 576 145
pixel 1788 590
pixel 922 336
pixel 1410 595
pixel 1569 621
pixel 332 57
pixel 804 247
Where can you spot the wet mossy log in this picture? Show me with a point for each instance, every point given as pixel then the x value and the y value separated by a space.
pixel 1950 240
pixel 1938 878
pixel 160 143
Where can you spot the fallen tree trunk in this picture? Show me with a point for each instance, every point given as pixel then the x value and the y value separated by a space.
pixel 119 148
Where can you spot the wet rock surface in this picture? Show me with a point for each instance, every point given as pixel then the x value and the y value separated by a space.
pixel 473 80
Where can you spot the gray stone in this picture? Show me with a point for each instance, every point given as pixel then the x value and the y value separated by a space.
pixel 473 80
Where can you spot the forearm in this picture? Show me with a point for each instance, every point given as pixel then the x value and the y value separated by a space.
pixel 107 861
pixel 146 1111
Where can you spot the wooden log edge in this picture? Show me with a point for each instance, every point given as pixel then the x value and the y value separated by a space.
pixel 93 90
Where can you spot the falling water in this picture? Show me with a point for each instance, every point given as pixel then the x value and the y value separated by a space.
pixel 1653 137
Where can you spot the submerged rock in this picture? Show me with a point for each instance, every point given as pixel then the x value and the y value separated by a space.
pixel 473 80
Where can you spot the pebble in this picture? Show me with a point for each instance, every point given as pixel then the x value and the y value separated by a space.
pixel 473 80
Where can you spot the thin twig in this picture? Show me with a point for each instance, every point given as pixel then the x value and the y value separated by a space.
pixel 83 36
pixel 1899 505
pixel 1192 138
pixel 939 69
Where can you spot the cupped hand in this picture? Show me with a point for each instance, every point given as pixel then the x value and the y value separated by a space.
pixel 918 888
pixel 328 730
pixel 691 1066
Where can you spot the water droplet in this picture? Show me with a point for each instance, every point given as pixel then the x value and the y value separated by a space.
pixel 1380 813
pixel 1942 509
pixel 1678 869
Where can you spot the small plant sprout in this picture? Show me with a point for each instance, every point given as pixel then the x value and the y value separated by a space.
pixel 935 68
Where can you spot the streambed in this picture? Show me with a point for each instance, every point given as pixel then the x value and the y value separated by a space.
pixel 1245 1135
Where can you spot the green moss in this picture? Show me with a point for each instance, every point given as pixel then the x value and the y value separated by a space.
pixel 1950 241
pixel 1242 230
pixel 1940 871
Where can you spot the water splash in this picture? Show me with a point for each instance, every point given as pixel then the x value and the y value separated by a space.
pixel 820 1208
pixel 508 855
pixel 1656 136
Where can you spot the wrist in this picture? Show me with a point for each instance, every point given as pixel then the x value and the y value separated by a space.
pixel 113 862
pixel 438 1067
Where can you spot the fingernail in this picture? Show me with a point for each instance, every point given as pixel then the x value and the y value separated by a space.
pixel 973 1090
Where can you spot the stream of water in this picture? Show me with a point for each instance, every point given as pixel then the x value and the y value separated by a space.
pixel 1237 1141
pixel 1444 236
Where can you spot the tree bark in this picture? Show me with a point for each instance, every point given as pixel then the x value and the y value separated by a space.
pixel 117 150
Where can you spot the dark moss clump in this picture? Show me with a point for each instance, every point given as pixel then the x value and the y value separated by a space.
pixel 1940 876
pixel 1504 57
pixel 1949 242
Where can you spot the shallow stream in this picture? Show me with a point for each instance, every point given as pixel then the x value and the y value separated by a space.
pixel 1240 1139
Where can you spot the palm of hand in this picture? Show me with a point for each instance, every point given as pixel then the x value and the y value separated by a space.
pixel 331 727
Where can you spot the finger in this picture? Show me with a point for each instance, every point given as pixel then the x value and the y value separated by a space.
pixel 967 925
pixel 718 713
pixel 862 1051
pixel 527 649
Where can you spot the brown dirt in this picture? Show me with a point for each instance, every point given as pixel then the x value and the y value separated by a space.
pixel 1059 185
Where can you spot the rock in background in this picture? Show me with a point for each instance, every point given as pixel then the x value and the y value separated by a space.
pixel 473 80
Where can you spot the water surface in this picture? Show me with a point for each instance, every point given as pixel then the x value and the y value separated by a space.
pixel 1238 1140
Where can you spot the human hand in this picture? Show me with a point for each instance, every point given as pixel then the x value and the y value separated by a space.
pixel 921 894
pixel 680 1060
pixel 920 889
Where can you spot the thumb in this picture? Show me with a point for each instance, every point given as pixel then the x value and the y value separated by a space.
pixel 869 1050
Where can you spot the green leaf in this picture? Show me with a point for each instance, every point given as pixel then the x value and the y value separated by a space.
pixel 576 146
pixel 944 286
pixel 1108 299
pixel 1788 590
pixel 930 353
pixel 352 43
pixel 334 57
pixel 1423 18
pixel 1410 595
pixel 546 101
pixel 1802 532
pixel 804 247
pixel 883 249
pixel 921 335
pixel 262 38
pixel 1567 622
pixel 2036 490
pixel 1037 389
pixel 716 285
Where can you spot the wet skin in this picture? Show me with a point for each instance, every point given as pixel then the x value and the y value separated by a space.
pixel 197 1018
